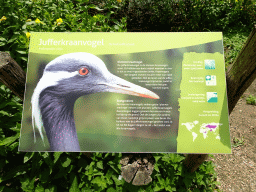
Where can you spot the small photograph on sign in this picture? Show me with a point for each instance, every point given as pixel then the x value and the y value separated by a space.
pixel 212 97
pixel 209 64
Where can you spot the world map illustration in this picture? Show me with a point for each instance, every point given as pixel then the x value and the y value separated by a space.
pixel 205 129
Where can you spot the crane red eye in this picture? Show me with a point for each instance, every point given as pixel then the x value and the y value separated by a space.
pixel 83 71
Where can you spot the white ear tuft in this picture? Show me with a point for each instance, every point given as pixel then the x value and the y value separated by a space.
pixel 36 114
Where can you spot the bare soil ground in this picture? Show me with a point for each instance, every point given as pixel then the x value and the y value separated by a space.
pixel 237 172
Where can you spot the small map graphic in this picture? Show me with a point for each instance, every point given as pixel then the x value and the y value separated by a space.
pixel 204 129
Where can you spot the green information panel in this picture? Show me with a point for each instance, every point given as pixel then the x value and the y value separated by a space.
pixel 126 92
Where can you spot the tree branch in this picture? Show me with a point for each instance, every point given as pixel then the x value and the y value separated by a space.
pixel 12 75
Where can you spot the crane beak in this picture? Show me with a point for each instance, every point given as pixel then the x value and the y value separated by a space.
pixel 118 85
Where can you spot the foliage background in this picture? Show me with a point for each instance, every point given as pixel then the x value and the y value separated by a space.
pixel 73 171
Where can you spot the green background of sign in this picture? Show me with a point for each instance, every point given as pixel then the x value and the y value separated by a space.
pixel 190 110
pixel 117 43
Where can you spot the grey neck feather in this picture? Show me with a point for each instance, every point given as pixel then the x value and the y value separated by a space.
pixel 58 120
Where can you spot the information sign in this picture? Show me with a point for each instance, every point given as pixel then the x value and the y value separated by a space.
pixel 126 92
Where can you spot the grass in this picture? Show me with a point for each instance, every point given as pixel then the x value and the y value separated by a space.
pixel 251 100
pixel 237 142
pixel 72 171
pixel 233 43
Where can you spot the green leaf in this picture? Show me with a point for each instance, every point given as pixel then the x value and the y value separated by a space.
pixel 166 158
pixel 175 166
pixel 14 38
pixel 179 170
pixel 99 9
pixel 9 140
pixel 111 189
pixel 116 27
pixel 157 158
pixel 100 181
pixel 21 52
pixel 5 113
pixel 24 183
pixel 117 181
pixel 114 6
pixel 179 158
pixel 156 168
pixel 199 176
pixel 100 164
pixel 81 184
pixel 45 155
pixel 65 161
pixel 27 184
pixel 187 182
pixel 87 190
pixel 74 185
pixel 1 187
pixel 56 156
pixel 168 188
pixel 94 7
pixel 24 58
pixel 158 187
pixel 2 44
pixel 14 146
pixel 91 165
pixel 106 155
pixel 2 39
pixel 17 128
pixel 98 154
pixel 40 188
pixel 109 173
pixel 28 156
pixel 161 180
pixel 116 170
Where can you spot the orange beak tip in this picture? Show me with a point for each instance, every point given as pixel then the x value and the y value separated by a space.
pixel 147 96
